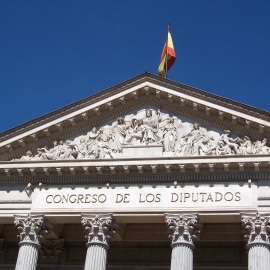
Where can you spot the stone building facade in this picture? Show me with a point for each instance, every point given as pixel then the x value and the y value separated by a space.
pixel 149 174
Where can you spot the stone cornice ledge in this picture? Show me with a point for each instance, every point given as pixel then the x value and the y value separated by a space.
pixel 211 164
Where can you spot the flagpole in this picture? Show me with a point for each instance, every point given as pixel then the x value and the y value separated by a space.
pixel 166 70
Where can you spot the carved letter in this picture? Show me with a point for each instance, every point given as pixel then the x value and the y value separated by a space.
pixel 48 198
pixel 173 197
pixel 119 198
pixel 219 197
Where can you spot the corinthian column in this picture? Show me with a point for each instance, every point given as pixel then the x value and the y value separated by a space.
pixel 183 230
pixel 30 232
pixel 257 227
pixel 98 229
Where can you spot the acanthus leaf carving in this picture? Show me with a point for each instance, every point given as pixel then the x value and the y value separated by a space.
pixel 98 228
pixel 183 228
pixel 50 250
pixel 257 227
pixel 31 228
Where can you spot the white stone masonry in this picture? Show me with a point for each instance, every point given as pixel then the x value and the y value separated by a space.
pixel 98 229
pixel 183 234
pixel 257 227
pixel 30 232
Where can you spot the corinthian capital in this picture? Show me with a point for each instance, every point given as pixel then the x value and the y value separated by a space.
pixel 30 228
pixel 98 228
pixel 50 250
pixel 257 228
pixel 183 228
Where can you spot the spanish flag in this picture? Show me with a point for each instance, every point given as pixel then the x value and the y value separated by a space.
pixel 167 54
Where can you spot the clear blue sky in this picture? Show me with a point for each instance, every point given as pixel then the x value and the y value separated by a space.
pixel 56 52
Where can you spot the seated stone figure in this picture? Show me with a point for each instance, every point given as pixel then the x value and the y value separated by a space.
pixel 151 127
pixel 231 144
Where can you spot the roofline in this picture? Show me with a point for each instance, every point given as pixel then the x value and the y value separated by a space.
pixel 126 84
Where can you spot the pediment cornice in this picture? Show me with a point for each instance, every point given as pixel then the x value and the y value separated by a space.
pixel 145 89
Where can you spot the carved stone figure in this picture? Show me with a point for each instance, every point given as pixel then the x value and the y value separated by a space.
pixel 207 147
pixel 135 133
pixel 230 143
pixel 260 147
pixel 120 131
pixel 68 151
pixel 246 147
pixel 82 149
pixel 104 151
pixel 264 148
pixel 169 136
pixel 49 154
pixel 196 136
pixel 221 148
pixel 92 143
pixel 149 127
pixel 28 156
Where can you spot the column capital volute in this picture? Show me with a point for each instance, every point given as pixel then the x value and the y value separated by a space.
pixel 31 229
pixel 98 229
pixel 257 227
pixel 183 229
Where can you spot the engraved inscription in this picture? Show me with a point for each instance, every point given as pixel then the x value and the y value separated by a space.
pixel 157 198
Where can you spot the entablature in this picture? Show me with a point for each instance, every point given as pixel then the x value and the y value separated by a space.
pixel 138 170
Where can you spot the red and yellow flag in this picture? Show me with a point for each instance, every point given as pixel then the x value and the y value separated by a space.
pixel 168 48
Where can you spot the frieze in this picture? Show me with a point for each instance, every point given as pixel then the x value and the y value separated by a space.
pixel 121 198
pixel 152 133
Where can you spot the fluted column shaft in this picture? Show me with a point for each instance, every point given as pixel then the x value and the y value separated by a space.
pixel 257 228
pixel 182 258
pixel 30 232
pixel 183 234
pixel 96 257
pixel 98 229
pixel 27 257
pixel 258 258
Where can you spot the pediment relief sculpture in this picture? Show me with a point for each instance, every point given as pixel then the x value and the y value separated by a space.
pixel 146 130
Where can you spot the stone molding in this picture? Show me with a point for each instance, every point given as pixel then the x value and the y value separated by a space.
pixel 183 229
pixel 246 166
pixel 141 174
pixel 50 250
pixel 98 229
pixel 257 227
pixel 31 229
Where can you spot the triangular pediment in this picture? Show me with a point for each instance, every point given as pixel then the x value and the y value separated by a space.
pixel 148 132
pixel 174 107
